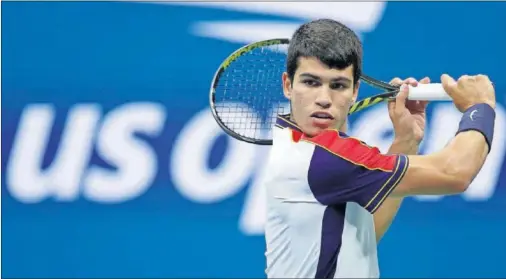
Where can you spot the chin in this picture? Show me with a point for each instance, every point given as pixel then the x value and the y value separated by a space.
pixel 313 130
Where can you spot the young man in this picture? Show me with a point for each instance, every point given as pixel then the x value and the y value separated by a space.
pixel 331 196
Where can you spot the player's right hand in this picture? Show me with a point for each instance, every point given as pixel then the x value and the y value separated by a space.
pixel 469 91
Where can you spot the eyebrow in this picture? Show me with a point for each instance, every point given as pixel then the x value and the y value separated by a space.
pixel 337 79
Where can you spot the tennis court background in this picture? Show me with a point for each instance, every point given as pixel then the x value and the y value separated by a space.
pixel 136 179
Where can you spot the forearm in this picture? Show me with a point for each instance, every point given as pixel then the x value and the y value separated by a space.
pixel 385 215
pixel 452 170
pixel 449 171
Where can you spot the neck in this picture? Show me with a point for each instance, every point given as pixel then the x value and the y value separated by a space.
pixel 344 127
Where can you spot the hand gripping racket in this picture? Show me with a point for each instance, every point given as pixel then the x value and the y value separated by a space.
pixel 246 92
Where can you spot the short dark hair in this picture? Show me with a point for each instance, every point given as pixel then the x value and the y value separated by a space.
pixel 330 41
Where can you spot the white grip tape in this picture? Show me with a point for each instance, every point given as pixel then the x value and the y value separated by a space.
pixel 428 92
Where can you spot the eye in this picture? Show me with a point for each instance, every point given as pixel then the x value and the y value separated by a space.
pixel 338 86
pixel 310 82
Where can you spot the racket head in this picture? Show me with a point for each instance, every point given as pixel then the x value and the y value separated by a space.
pixel 254 91
pixel 245 118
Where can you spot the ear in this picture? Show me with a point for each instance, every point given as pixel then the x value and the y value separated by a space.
pixel 355 92
pixel 287 86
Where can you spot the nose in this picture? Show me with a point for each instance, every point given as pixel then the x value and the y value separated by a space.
pixel 323 100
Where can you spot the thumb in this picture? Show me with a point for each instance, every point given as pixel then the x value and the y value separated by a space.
pixel 449 84
pixel 391 108
pixel 400 99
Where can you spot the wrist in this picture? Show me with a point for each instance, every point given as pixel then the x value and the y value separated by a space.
pixel 405 146
pixel 481 118
pixel 406 140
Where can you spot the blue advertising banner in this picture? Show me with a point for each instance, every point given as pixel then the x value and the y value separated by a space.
pixel 112 165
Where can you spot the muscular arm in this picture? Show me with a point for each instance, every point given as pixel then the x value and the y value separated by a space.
pixel 386 213
pixel 449 171
pixel 368 178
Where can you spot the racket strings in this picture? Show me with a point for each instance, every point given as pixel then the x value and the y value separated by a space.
pixel 249 95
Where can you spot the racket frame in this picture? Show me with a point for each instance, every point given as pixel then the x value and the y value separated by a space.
pixel 390 91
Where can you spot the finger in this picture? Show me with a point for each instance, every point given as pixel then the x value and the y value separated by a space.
pixel 449 84
pixel 463 79
pixel 400 99
pixel 425 80
pixel 411 81
pixel 416 104
pixel 396 81
pixel 391 108
pixel 412 104
pixel 422 105
pixel 482 77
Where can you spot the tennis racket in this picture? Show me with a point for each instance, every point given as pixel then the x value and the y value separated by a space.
pixel 246 93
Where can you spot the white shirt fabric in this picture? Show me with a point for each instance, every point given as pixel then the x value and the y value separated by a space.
pixel 321 193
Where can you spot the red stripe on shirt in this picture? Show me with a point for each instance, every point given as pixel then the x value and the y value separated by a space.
pixel 354 151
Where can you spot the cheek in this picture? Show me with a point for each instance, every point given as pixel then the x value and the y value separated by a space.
pixel 344 98
pixel 301 97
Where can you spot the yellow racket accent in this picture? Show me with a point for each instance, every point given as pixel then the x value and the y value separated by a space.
pixel 368 102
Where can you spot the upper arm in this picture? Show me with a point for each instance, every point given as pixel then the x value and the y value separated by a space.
pixel 344 169
pixel 347 170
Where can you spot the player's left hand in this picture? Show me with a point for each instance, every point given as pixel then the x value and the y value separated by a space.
pixel 408 117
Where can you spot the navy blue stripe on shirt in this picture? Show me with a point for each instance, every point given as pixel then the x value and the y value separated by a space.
pixel 331 240
pixel 334 180
pixel 399 172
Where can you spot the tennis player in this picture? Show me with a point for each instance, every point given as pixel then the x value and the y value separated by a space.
pixel 330 196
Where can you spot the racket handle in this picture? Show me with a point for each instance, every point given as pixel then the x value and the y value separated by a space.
pixel 428 92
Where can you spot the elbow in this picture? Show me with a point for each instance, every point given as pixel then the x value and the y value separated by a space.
pixel 460 178
pixel 460 185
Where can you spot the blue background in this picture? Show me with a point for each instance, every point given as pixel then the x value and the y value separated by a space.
pixel 65 53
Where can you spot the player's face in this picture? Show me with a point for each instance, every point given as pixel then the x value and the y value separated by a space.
pixel 320 97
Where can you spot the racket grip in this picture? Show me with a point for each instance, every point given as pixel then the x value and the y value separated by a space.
pixel 428 92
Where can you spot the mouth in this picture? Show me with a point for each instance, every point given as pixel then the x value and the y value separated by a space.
pixel 322 115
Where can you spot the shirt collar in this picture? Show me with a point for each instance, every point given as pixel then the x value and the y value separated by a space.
pixel 283 121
